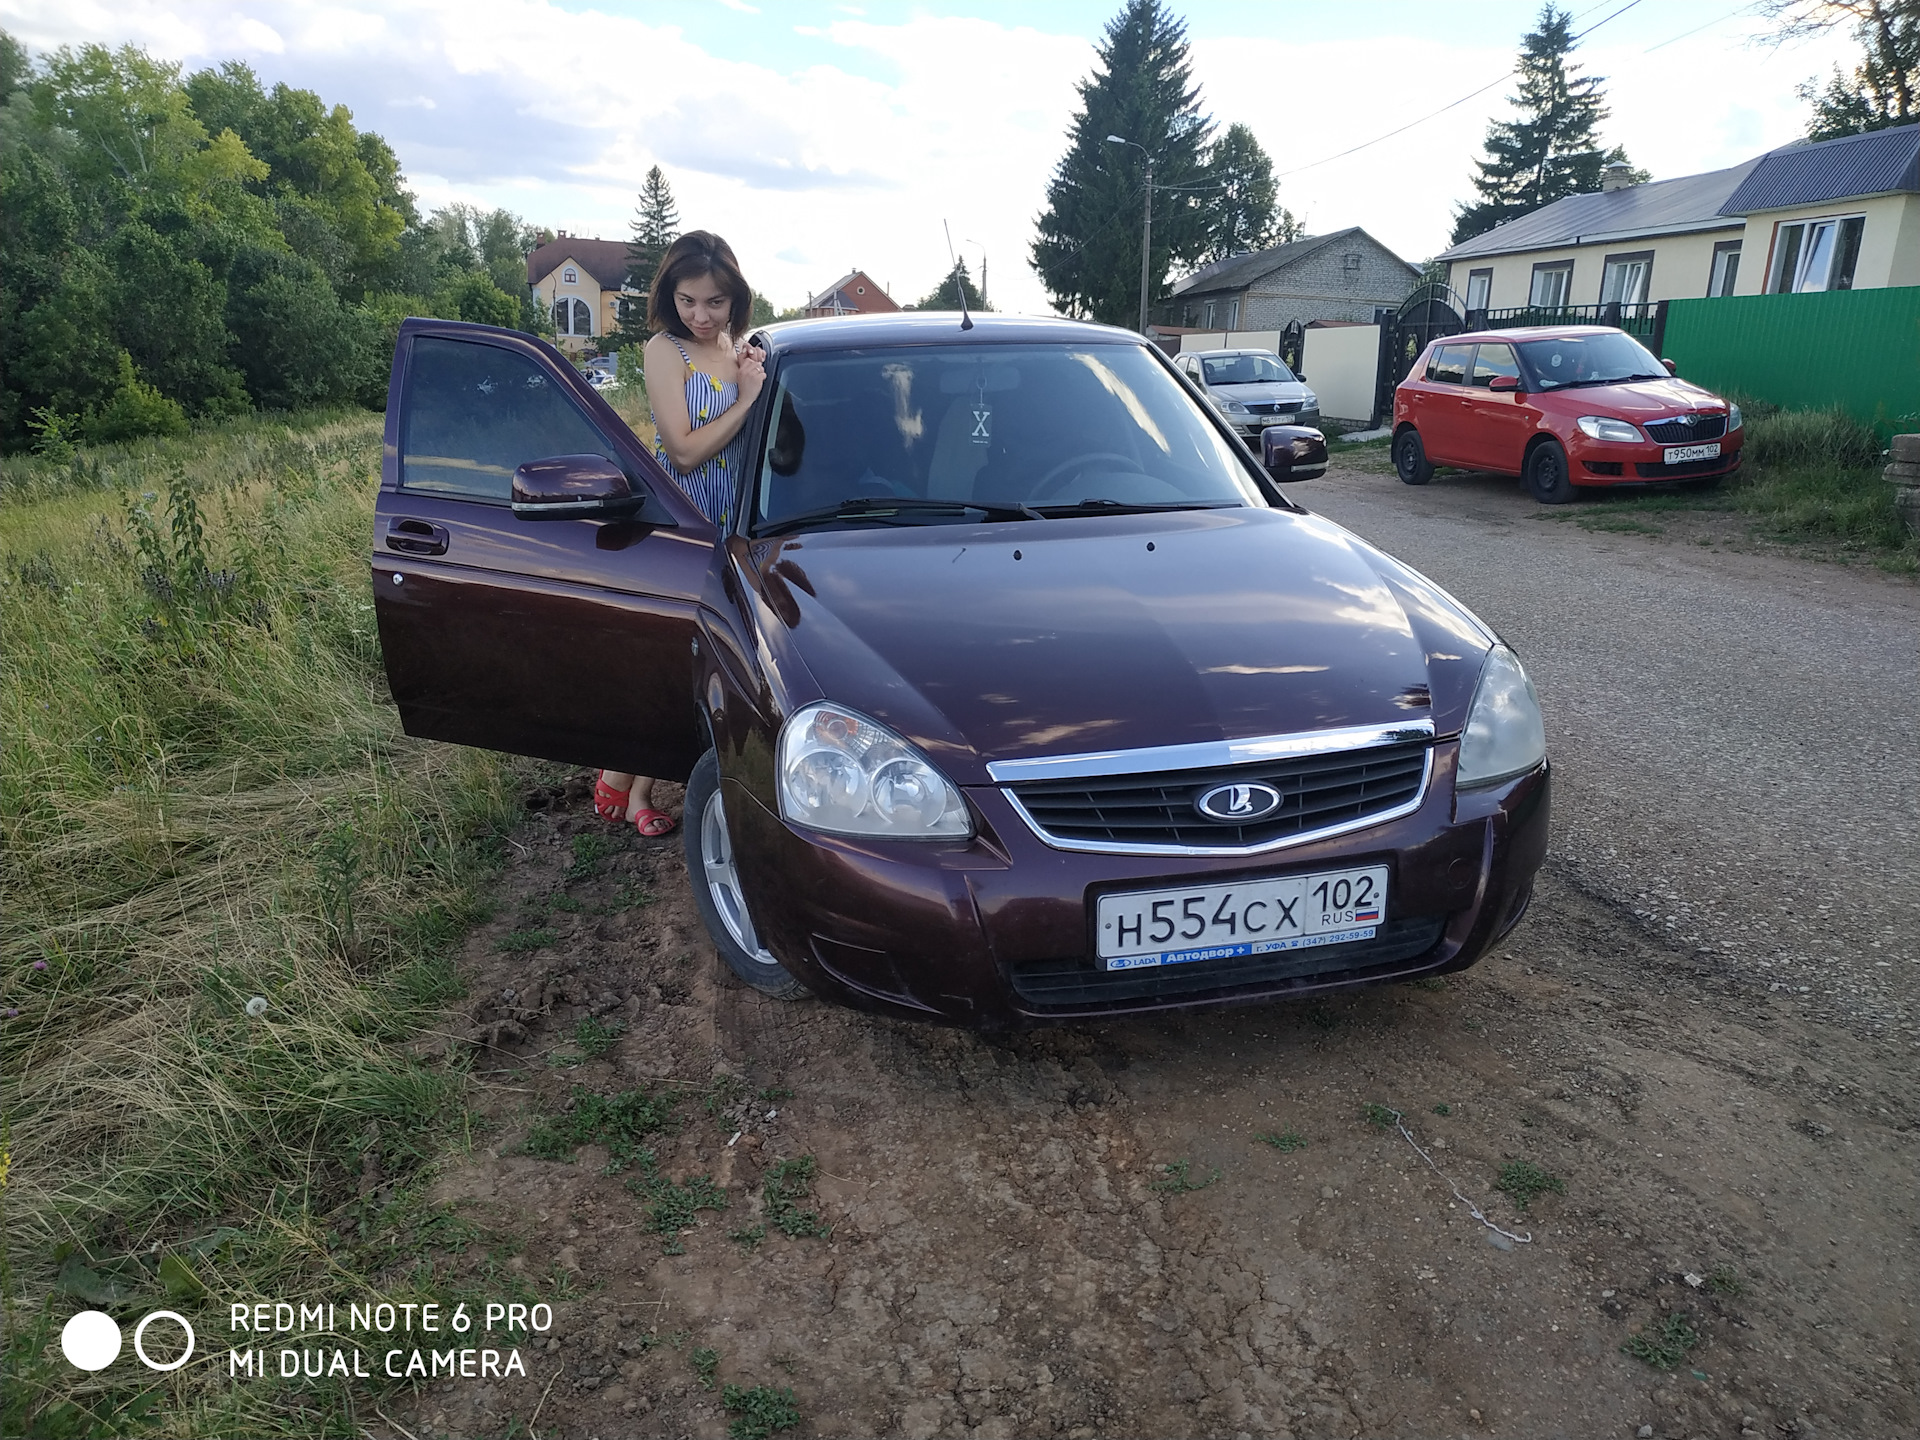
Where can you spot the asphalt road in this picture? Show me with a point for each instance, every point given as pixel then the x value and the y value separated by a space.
pixel 1736 735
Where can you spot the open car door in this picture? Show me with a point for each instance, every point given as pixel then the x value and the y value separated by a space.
pixel 560 626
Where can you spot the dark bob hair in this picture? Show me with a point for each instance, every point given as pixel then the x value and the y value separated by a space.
pixel 697 253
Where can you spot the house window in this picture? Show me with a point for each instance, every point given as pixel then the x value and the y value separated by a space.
pixel 1479 287
pixel 572 317
pixel 1815 255
pixel 1551 283
pixel 1233 315
pixel 1726 268
pixel 1624 278
pixel 1206 316
pixel 570 275
pixel 582 318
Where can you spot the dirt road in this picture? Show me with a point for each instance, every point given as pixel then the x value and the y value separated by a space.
pixel 1703 1033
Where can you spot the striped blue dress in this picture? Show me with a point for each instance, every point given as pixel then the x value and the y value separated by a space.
pixel 712 486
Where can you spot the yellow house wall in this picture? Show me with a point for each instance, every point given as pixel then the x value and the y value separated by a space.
pixel 603 303
pixel 1889 242
pixel 1681 266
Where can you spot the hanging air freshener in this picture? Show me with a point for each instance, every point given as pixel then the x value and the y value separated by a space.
pixel 982 419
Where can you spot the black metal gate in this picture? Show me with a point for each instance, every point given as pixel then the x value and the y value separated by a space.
pixel 1430 312
pixel 1293 340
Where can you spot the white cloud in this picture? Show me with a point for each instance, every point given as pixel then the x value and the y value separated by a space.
pixel 855 155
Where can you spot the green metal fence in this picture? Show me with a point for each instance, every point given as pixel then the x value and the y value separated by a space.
pixel 1855 349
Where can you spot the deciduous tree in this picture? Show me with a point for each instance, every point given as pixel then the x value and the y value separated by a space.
pixel 1884 88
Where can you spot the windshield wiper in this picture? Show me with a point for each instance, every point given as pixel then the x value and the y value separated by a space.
pixel 1130 507
pixel 884 507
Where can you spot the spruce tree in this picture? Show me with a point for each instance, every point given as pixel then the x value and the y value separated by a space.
pixel 656 225
pixel 1243 213
pixel 1087 252
pixel 1552 148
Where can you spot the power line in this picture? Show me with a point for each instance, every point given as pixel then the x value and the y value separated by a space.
pixel 1453 105
pixel 1698 28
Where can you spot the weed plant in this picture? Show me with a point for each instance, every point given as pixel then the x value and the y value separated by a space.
pixel 759 1412
pixel 787 1184
pixel 205 798
pixel 1523 1182
pixel 1664 1345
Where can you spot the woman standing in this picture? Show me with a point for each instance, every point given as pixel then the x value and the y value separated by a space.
pixel 699 307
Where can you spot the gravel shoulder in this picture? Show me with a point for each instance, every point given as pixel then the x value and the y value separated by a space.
pixel 1010 1254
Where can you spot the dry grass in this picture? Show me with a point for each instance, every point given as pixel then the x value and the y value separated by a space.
pixel 205 797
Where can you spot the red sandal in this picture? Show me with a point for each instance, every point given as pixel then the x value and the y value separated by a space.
pixel 608 803
pixel 653 823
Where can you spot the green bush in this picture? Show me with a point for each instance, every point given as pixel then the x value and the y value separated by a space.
pixel 135 411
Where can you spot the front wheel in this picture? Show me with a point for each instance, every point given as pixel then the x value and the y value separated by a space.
pixel 1547 475
pixel 717 890
pixel 1410 461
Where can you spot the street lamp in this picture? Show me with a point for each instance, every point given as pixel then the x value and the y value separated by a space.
pixel 1146 225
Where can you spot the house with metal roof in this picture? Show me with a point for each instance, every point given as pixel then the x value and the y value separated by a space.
pixel 1831 215
pixel 854 293
pixel 583 284
pixel 1344 275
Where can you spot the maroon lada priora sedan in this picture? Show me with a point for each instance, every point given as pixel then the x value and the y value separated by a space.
pixel 1563 407
pixel 1013 689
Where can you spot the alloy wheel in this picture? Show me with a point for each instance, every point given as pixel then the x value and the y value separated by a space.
pixel 723 880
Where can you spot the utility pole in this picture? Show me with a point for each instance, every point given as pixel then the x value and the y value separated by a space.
pixel 1146 226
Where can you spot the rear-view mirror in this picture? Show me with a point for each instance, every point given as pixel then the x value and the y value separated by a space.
pixel 1293 452
pixel 568 487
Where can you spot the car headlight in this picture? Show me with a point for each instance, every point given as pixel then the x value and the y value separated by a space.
pixel 1733 417
pixel 848 775
pixel 1505 735
pixel 1234 407
pixel 1605 427
pixel 1312 402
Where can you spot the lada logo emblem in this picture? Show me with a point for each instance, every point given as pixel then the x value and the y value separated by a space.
pixel 1240 804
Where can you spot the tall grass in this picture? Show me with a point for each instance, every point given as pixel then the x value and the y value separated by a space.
pixel 205 798
pixel 1815 474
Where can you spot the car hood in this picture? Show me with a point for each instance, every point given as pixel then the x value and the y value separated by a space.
pixel 993 642
pixel 1285 392
pixel 1639 400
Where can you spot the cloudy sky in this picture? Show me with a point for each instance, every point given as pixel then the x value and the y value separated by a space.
pixel 819 136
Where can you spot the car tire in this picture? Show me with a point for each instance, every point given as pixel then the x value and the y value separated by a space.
pixel 1410 461
pixel 717 891
pixel 1549 479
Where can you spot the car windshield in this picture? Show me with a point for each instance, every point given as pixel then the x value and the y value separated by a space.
pixel 953 433
pixel 1589 360
pixel 1249 368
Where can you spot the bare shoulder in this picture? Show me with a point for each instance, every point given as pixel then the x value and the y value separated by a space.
pixel 660 346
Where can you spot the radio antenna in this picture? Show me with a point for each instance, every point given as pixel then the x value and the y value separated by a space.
pixel 959 281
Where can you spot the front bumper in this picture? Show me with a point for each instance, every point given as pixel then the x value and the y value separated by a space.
pixel 1248 427
pixel 995 933
pixel 1612 462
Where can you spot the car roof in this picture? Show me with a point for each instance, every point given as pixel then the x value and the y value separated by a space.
pixel 1513 333
pixel 929 327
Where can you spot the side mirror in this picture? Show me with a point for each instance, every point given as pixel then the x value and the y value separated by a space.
pixel 1504 382
pixel 1293 452
pixel 569 487
pixel 1672 369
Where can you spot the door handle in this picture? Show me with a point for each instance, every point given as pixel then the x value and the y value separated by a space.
pixel 416 537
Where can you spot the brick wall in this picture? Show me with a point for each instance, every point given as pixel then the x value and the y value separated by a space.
pixel 1324 286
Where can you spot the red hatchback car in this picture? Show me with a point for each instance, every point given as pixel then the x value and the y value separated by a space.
pixel 1563 407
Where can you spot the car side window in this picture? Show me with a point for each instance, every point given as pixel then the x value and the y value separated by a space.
pixel 476 412
pixel 1449 365
pixel 1492 360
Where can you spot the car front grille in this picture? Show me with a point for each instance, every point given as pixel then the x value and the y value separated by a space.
pixel 1675 432
pixel 1269 407
pixel 1154 812
pixel 1054 985
pixel 1658 471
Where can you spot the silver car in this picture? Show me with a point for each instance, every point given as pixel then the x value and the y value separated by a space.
pixel 1252 389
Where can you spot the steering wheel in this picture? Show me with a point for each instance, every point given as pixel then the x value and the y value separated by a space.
pixel 880 487
pixel 1056 479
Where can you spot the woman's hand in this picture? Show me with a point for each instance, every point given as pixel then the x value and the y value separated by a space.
pixel 752 362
